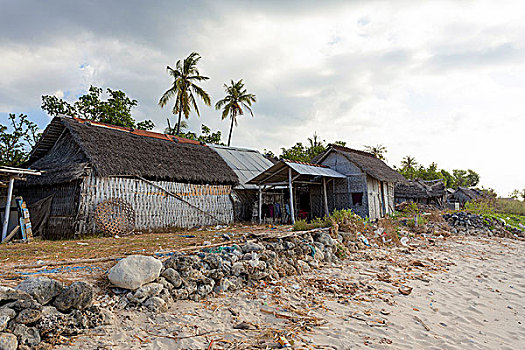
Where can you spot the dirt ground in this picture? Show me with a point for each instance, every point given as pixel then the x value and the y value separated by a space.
pixel 44 258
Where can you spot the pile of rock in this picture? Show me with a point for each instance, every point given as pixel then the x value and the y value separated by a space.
pixel 153 284
pixel 38 310
pixel 471 224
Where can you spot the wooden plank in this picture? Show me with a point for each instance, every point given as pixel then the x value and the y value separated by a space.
pixel 11 234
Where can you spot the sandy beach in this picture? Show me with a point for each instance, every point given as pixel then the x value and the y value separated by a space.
pixel 463 292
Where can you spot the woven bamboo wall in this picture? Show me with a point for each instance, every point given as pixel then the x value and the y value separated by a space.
pixel 153 207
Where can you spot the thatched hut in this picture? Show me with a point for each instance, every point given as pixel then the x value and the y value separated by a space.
pixel 368 188
pixel 430 192
pixel 169 181
pixel 464 194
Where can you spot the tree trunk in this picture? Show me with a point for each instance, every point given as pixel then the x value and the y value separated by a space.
pixel 230 136
pixel 178 124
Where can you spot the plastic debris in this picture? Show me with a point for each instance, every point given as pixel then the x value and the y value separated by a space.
pixel 284 342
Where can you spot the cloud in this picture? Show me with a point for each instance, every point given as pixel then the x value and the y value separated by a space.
pixel 441 81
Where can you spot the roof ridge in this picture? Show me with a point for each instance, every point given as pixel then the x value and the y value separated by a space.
pixel 304 163
pixel 347 149
pixel 134 131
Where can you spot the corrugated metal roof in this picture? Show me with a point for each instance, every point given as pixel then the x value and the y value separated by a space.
pixel 279 173
pixel 246 163
pixel 315 170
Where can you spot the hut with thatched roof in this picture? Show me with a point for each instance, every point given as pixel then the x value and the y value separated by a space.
pixel 168 181
pixel 430 192
pixel 368 188
pixel 463 195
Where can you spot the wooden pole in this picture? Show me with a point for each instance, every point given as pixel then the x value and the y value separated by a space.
pixel 260 205
pixel 326 212
pixel 292 212
pixel 7 207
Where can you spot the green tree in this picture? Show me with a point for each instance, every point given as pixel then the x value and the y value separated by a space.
pixel 378 151
pixel 15 145
pixel 302 153
pixel 116 110
pixel 184 88
pixel 206 136
pixel 518 194
pixel 237 99
pixel 465 178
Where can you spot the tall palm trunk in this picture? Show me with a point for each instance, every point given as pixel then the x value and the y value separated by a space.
pixel 231 129
pixel 180 115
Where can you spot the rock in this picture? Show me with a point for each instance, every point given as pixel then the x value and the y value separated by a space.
pixel 238 269
pixel 26 335
pixel 134 271
pixel 173 277
pixel 9 294
pixel 79 295
pixel 144 292
pixel 251 247
pixel 8 341
pixel 156 304
pixel 223 286
pixel 49 310
pixel 325 239
pixel 20 305
pixel 6 311
pixel 43 289
pixel 4 319
pixel 302 266
pixel 27 316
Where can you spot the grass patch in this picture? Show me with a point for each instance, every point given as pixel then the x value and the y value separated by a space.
pixel 512 211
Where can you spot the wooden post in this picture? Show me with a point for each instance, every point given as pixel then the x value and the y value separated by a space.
pixel 7 207
pixel 260 205
pixel 292 212
pixel 326 212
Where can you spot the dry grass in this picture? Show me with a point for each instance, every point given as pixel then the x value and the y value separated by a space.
pixel 14 255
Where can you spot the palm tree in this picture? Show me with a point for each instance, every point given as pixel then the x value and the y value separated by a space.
pixel 173 130
pixel 232 105
pixel 315 141
pixel 378 151
pixel 408 162
pixel 185 75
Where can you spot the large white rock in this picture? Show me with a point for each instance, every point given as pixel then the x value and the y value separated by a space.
pixel 134 271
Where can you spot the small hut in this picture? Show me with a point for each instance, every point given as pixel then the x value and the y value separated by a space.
pixel 430 192
pixel 368 186
pixel 168 181
pixel 464 194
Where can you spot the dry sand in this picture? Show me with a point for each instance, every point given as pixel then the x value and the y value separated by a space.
pixel 467 293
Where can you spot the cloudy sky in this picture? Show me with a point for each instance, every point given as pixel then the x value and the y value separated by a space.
pixel 440 81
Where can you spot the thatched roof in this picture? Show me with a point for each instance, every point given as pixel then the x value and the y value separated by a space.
pixel 365 161
pixel 467 194
pixel 69 146
pixel 420 189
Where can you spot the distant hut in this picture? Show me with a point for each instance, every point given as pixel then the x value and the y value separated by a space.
pixel 368 188
pixel 464 194
pixel 430 192
pixel 246 163
pixel 169 181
